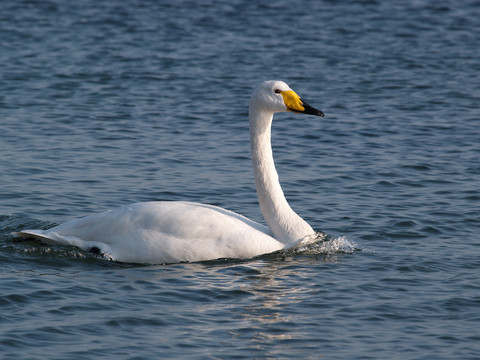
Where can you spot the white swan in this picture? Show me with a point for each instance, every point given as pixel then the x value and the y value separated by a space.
pixel 171 232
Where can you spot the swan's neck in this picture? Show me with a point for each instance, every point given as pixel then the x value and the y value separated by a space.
pixel 284 223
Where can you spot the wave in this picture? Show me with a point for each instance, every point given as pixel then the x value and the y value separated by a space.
pixel 322 243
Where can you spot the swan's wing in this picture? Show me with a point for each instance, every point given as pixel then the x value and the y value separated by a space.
pixel 164 232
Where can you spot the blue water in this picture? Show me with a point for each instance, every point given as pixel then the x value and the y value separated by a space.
pixel 104 103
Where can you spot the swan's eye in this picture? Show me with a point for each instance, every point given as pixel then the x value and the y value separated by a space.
pixel 277 91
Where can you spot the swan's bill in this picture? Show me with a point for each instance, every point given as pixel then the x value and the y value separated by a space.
pixel 294 103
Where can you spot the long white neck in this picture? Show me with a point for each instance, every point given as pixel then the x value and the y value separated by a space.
pixel 284 223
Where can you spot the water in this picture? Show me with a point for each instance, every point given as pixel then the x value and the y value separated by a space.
pixel 108 103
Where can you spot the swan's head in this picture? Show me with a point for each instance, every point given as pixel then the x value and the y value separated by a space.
pixel 276 96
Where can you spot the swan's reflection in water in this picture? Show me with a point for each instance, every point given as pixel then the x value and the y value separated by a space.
pixel 274 317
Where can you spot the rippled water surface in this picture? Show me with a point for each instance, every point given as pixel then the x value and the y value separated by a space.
pixel 104 103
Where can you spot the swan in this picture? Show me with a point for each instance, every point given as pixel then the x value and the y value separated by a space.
pixel 161 232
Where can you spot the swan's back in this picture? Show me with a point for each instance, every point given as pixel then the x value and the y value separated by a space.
pixel 164 232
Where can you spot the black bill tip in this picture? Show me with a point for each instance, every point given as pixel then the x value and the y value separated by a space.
pixel 311 110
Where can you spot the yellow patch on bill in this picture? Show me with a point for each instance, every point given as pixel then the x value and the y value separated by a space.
pixel 292 101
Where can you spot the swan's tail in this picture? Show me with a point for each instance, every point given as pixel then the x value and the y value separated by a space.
pixel 52 238
pixel 41 235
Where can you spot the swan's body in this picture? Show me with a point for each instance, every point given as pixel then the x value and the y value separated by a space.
pixel 169 232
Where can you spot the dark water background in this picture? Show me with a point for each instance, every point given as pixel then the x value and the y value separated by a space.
pixel 103 103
